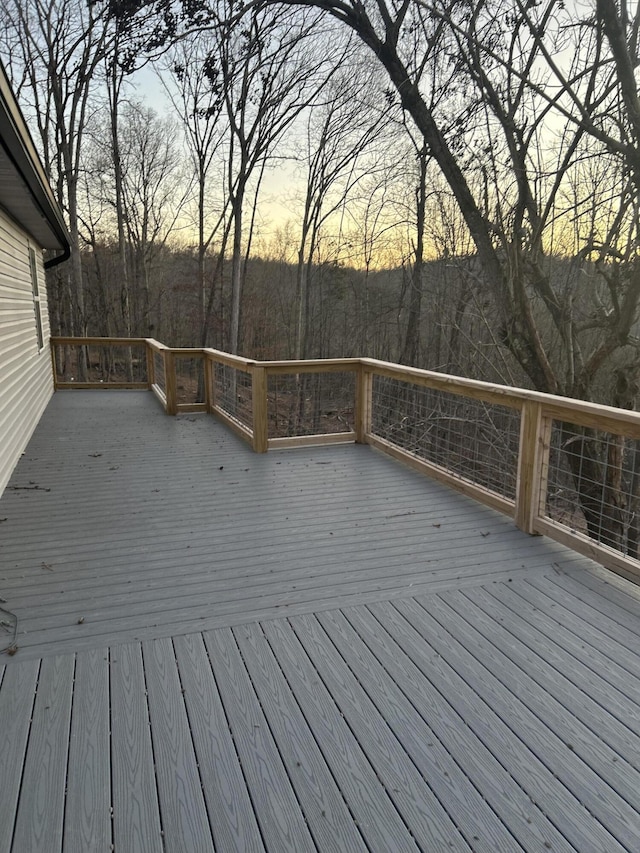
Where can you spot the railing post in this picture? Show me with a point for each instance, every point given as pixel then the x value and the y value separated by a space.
pixel 259 405
pixel 170 382
pixel 54 366
pixel 364 386
pixel 533 463
pixel 151 367
pixel 209 386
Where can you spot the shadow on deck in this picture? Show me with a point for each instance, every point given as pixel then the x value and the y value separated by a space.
pixel 313 649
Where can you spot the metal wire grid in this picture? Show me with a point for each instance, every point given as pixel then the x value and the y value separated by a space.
pixel 472 440
pixel 104 364
pixel 232 393
pixel 593 485
pixel 158 371
pixel 311 404
pixel 189 379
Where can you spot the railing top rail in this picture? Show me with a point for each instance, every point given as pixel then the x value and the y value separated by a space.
pixel 230 359
pixel 311 365
pixel 191 352
pixel 561 408
pixel 96 341
pixel 155 345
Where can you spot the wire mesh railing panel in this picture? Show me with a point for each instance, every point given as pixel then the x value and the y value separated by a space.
pixel 101 364
pixel 593 485
pixel 158 372
pixel 233 393
pixel 189 379
pixel 472 440
pixel 311 403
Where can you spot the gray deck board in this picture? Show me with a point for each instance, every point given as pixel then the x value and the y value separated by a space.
pixel 17 693
pixel 596 737
pixel 39 822
pixel 310 650
pixel 450 733
pixel 500 733
pixel 328 816
pixel 510 693
pixel 598 702
pixel 87 820
pixel 184 815
pixel 376 817
pixel 446 779
pixel 591 602
pixel 271 790
pixel 233 818
pixel 415 801
pixel 136 813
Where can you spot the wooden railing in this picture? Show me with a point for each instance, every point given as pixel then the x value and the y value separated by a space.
pixel 561 467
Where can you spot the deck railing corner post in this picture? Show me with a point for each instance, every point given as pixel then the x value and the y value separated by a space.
pixel 171 385
pixel 363 402
pixel 209 382
pixel 54 366
pixel 259 406
pixel 151 367
pixel 533 461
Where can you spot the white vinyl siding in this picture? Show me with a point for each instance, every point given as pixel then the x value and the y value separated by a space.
pixel 26 381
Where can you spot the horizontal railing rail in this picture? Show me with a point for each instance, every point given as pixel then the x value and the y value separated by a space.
pixel 569 469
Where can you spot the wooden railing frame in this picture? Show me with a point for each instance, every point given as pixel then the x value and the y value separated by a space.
pixel 153 347
pixel 537 413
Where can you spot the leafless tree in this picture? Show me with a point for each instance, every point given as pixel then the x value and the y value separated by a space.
pixel 270 70
pixel 197 98
pixel 340 129
pixel 56 49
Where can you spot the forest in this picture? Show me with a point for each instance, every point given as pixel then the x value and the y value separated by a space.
pixel 451 185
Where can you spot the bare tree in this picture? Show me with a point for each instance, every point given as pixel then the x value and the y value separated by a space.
pixel 197 98
pixel 56 49
pixel 340 129
pixel 154 191
pixel 270 70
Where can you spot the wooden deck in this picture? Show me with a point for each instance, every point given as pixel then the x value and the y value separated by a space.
pixel 306 650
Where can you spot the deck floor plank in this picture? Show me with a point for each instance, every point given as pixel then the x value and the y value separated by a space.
pixel 233 819
pixel 375 814
pixel 209 539
pixel 136 813
pixel 616 590
pixel 17 695
pixel 277 807
pixel 87 820
pixel 591 604
pixel 578 755
pixel 39 822
pixel 452 787
pixel 107 576
pixel 509 691
pixel 453 733
pixel 421 810
pixel 429 647
pixel 572 635
pixel 595 701
pixel 184 815
pixel 325 810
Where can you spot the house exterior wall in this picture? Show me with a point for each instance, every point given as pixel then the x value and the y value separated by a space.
pixel 26 379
